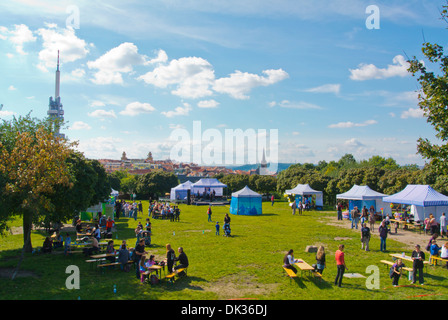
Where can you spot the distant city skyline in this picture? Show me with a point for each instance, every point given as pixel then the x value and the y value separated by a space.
pixel 330 76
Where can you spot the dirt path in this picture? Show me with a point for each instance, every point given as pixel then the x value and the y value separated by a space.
pixel 408 238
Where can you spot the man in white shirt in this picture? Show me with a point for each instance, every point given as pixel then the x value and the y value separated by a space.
pixel 442 222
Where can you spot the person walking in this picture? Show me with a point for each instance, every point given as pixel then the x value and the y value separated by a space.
pixel 418 258
pixel 383 231
pixel 365 237
pixel 341 266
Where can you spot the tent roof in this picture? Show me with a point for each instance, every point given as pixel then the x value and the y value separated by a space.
pixel 246 192
pixel 302 189
pixel 184 186
pixel 209 183
pixel 419 195
pixel 361 193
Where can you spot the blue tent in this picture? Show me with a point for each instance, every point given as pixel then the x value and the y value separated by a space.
pixel 246 202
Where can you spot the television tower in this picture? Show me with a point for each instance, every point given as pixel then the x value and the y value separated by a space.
pixel 55 110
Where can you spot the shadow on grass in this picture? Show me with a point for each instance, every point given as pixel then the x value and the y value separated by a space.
pixel 183 283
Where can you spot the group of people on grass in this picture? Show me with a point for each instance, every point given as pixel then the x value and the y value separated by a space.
pixel 226 226
pixel 128 209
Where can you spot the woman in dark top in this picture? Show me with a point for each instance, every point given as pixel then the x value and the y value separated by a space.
pixel 288 261
pixel 227 218
pixel 182 258
pixel 170 257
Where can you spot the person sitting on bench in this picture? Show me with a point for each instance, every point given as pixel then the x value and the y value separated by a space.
pixel 182 258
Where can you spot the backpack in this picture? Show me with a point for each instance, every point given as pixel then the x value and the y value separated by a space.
pixel 391 271
pixel 153 279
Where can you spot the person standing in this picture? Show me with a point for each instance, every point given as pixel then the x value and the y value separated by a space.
pixel 272 200
pixel 418 257
pixel 294 207
pixel 209 213
pixel 372 219
pixel 365 237
pixel 383 231
pixel 339 209
pixel 170 257
pixel 139 251
pixel 217 228
pixel 341 266
pixel 442 222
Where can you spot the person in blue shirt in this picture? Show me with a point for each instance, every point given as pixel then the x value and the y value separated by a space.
pixel 67 243
pixel 434 249
pixel 217 228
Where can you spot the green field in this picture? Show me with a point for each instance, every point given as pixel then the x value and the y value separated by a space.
pixel 247 265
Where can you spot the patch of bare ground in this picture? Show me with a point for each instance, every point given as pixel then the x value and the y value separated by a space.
pixel 239 286
pixel 8 272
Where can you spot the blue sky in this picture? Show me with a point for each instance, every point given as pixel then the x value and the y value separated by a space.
pixel 132 72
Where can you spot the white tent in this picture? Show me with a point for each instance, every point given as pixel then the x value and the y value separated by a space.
pixel 423 200
pixel 180 192
pixel 114 193
pixel 304 190
pixel 361 196
pixel 208 186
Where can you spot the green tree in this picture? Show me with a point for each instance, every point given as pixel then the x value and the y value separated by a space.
pixel 433 100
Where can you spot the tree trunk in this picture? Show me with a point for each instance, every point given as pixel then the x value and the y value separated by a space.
pixel 27 226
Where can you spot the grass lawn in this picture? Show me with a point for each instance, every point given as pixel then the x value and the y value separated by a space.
pixel 247 265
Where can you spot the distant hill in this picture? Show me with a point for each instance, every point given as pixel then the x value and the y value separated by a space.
pixel 247 167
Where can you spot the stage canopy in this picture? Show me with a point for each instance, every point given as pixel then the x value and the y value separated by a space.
pixel 208 186
pixel 302 191
pixel 423 200
pixel 360 196
pixel 246 202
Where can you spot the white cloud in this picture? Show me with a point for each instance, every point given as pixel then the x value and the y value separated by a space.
pixel 162 57
pixel 238 84
pixel 179 111
pixel 353 143
pixel 412 113
pixel 115 62
pixel 326 88
pixel 5 113
pixel 65 40
pixel 136 108
pixel 19 36
pixel 101 147
pixel 78 73
pixel 301 105
pixel 192 77
pixel 12 88
pixel 208 104
pixel 80 125
pixel 96 104
pixel 370 71
pixel 101 114
pixel 350 124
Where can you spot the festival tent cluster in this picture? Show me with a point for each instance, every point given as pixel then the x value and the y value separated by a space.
pixel 246 202
pixel 303 191
pixel 208 186
pixel 423 200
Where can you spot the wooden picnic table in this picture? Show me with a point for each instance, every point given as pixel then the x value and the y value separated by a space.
pixel 303 266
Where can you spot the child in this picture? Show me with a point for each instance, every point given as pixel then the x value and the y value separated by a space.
pixel 396 272
pixel 217 228
pixel 67 248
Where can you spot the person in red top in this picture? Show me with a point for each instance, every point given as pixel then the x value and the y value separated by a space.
pixel 340 262
pixel 109 224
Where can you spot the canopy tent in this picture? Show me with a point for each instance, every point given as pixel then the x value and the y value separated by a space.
pixel 360 196
pixel 208 186
pixel 423 200
pixel 180 192
pixel 303 192
pixel 246 202
pixel 114 193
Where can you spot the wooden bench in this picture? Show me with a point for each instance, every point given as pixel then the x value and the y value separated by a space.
pixel 390 264
pixel 171 277
pixel 290 274
pixel 433 260
pixel 102 266
pixel 317 275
